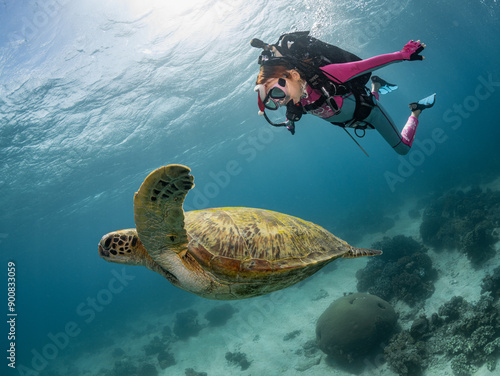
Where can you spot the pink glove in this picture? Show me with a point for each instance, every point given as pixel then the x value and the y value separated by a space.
pixel 411 50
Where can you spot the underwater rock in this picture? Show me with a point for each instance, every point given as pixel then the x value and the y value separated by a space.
pixel 165 359
pixel 404 272
pixel 219 315
pixel 354 325
pixel 192 372
pixel 186 325
pixel 239 359
pixel 465 221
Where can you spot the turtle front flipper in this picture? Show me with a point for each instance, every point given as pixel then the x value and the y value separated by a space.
pixel 158 213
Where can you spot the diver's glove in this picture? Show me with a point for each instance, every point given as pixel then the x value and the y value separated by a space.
pixel 411 50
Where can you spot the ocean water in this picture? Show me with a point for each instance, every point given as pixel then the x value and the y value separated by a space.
pixel 94 95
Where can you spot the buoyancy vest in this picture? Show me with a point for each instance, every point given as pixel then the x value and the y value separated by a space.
pixel 314 54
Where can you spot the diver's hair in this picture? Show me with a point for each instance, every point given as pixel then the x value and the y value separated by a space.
pixel 268 72
pixel 278 68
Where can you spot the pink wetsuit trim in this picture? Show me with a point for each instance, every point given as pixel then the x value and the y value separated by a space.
pixel 347 71
pixel 409 130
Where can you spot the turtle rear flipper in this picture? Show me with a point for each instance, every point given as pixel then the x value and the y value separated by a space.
pixel 361 252
pixel 158 212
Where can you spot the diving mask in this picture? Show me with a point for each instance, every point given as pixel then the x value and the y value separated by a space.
pixel 276 96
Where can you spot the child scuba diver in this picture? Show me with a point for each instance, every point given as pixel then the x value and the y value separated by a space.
pixel 306 75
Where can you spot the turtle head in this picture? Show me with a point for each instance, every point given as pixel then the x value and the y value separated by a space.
pixel 123 247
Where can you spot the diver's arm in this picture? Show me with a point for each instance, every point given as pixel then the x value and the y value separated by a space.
pixel 347 71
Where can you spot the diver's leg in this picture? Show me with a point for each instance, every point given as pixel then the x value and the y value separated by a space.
pixel 409 130
pixel 375 89
pixel 384 124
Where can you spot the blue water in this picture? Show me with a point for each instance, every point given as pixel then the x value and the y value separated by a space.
pixel 96 94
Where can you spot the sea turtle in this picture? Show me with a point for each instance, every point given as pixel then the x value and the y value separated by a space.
pixel 219 253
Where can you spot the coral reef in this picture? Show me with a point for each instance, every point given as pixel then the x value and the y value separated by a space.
pixel 155 346
pixel 473 334
pixel 467 334
pixel 404 272
pixel 186 325
pixel 405 355
pixel 219 315
pixel 354 325
pixel 159 347
pixel 491 284
pixel 465 221
pixel 239 359
pixel 165 359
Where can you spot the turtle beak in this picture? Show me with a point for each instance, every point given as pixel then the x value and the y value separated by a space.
pixel 121 247
pixel 102 252
pixel 104 246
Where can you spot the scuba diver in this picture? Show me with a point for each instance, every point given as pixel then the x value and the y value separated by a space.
pixel 305 75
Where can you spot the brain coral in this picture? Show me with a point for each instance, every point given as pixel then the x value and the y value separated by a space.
pixel 354 325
